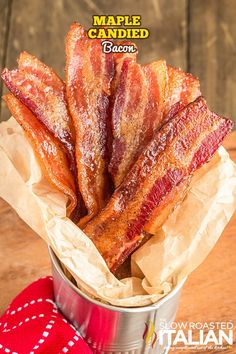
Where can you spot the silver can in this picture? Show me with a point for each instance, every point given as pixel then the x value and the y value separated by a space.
pixel 115 330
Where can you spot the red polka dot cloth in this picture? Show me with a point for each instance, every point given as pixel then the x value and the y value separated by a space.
pixel 32 324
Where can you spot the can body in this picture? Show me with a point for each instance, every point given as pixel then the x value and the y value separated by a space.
pixel 114 330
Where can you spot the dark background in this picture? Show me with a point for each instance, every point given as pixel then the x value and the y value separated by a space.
pixel 197 35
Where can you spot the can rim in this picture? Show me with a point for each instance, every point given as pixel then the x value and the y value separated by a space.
pixel 154 306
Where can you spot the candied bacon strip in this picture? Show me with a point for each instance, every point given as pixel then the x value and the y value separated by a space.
pixel 47 75
pixel 170 90
pixel 88 78
pixel 44 93
pixel 137 112
pixel 49 151
pixel 119 59
pixel 157 182
pixel 182 87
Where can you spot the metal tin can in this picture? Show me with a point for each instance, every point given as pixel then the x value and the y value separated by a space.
pixel 115 330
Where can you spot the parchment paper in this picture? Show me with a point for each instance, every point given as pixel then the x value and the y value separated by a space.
pixel 184 242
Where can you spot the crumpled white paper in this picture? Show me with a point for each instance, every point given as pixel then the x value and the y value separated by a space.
pixel 175 251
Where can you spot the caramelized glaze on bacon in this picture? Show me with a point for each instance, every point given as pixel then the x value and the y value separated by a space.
pixel 88 77
pixel 119 59
pixel 182 87
pixel 137 112
pixel 157 182
pixel 47 75
pixel 43 92
pixel 51 154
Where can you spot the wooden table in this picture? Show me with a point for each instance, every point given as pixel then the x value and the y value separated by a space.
pixel 208 295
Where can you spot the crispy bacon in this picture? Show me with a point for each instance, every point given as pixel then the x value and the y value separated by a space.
pixel 119 59
pixel 137 112
pixel 50 153
pixel 88 77
pixel 157 182
pixel 43 92
pixel 47 75
pixel 182 87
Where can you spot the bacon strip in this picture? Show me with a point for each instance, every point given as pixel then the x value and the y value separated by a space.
pixel 88 77
pixel 146 97
pixel 119 59
pixel 157 182
pixel 49 151
pixel 34 66
pixel 182 87
pixel 44 93
pixel 137 113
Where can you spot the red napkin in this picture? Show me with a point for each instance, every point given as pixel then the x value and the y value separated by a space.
pixel 33 324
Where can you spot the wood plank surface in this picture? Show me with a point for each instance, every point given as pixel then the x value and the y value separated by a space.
pixel 212 51
pixel 4 14
pixel 5 6
pixel 23 255
pixel 40 27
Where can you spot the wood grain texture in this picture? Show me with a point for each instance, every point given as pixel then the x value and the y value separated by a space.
pixel 40 27
pixel 4 13
pixel 5 6
pixel 212 51
pixel 23 255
